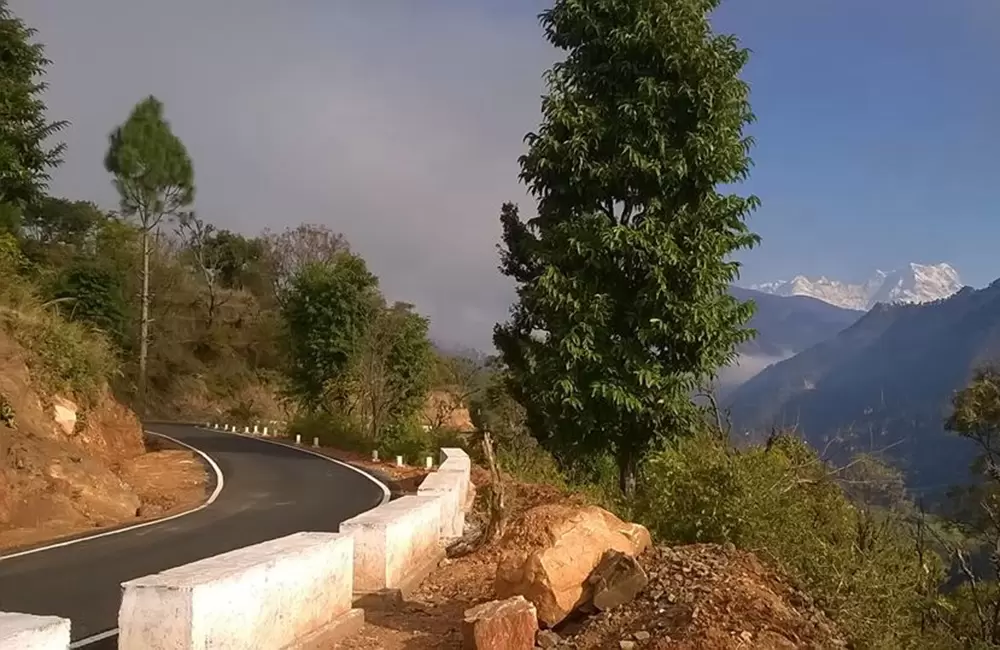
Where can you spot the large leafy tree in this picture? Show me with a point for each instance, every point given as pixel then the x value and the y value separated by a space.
pixel 155 180
pixel 327 309
pixel 26 150
pixel 622 276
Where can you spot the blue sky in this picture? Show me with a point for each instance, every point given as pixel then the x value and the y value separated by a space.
pixel 876 134
pixel 399 124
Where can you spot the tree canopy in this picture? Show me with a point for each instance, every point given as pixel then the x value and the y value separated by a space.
pixel 26 152
pixel 622 276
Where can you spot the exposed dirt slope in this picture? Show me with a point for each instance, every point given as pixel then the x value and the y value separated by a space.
pixel 65 469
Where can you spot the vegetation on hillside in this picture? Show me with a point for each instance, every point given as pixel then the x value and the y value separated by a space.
pixel 183 318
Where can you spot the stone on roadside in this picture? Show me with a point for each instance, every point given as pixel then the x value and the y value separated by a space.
pixel 547 639
pixel 617 580
pixel 501 625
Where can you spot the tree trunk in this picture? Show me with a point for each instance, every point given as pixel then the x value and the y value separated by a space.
pixel 497 524
pixel 627 470
pixel 144 324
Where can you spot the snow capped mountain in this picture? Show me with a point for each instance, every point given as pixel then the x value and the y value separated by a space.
pixel 914 283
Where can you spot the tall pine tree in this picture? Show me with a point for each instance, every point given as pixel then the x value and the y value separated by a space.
pixel 154 177
pixel 622 278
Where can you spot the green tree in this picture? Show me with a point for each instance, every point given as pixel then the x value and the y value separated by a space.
pixel 96 297
pixel 155 179
pixel 327 310
pixel 393 370
pixel 52 220
pixel 26 153
pixel 622 276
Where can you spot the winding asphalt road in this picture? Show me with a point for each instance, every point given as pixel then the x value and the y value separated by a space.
pixel 268 491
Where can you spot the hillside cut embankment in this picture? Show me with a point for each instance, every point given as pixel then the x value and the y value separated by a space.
pixel 67 467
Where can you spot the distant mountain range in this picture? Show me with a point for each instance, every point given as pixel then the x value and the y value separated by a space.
pixel 914 283
pixel 886 380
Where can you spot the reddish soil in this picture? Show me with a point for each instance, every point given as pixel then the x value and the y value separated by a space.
pixel 60 478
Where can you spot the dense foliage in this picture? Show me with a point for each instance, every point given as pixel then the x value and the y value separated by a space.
pixel 26 153
pixel 622 277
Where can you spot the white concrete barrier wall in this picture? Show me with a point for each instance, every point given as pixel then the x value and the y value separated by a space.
pixel 394 542
pixel 449 487
pixel 28 632
pixel 270 595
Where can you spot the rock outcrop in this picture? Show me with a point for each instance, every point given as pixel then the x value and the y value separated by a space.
pixel 553 569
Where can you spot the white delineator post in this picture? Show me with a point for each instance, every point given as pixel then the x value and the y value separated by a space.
pixel 430 462
pixel 315 442
pixel 255 429
pixel 375 455
pixel 288 592
pixel 399 461
pixel 265 431
pixel 29 632
pixel 298 438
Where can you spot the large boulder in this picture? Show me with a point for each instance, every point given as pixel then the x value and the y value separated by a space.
pixel 566 544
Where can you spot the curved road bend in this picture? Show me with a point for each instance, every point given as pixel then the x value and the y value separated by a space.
pixel 268 491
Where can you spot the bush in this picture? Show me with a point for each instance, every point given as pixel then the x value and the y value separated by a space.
pixel 783 503
pixel 64 356
pixel 333 430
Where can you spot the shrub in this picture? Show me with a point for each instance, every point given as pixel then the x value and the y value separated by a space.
pixel 783 503
pixel 333 430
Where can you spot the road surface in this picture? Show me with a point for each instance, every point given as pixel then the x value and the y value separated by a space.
pixel 268 491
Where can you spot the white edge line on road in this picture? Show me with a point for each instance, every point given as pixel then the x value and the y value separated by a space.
pixel 100 636
pixel 94 638
pixel 386 494
pixel 219 482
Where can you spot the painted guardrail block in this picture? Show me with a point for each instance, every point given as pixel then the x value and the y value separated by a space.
pixel 454 459
pixel 396 544
pixel 29 632
pixel 284 593
pixel 449 486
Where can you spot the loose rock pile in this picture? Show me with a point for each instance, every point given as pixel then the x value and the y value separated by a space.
pixel 707 597
pixel 590 580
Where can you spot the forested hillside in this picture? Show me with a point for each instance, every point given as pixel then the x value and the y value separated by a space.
pixel 786 325
pixel 201 322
